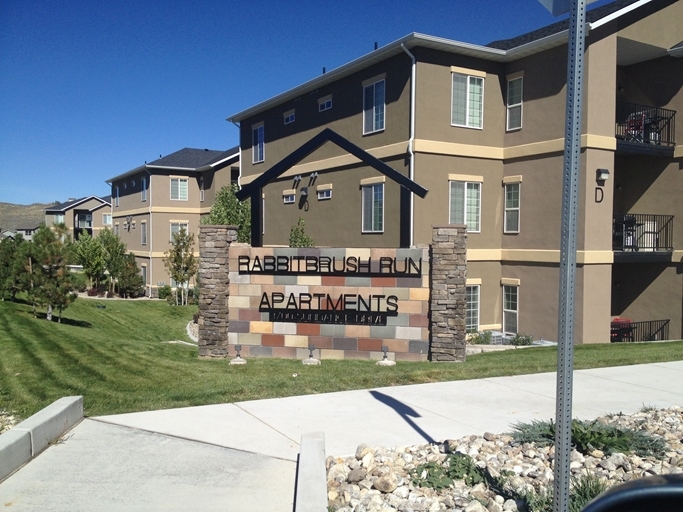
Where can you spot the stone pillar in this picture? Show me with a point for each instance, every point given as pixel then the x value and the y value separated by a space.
pixel 448 300
pixel 214 289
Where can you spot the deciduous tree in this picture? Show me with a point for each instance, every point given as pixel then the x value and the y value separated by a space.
pixel 228 210
pixel 180 262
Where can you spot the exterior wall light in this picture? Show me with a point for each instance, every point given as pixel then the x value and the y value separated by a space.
pixel 601 175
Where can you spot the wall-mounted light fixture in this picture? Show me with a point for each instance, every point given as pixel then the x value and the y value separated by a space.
pixel 601 175
pixel 304 191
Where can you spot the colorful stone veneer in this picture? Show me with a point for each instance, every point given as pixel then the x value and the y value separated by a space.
pixel 406 334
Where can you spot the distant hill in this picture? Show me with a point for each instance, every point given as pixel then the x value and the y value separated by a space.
pixel 13 216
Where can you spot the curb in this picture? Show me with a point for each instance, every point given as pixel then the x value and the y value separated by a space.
pixel 30 437
pixel 311 479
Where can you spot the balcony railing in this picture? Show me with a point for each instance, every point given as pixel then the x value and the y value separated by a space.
pixel 642 124
pixel 642 232
pixel 650 330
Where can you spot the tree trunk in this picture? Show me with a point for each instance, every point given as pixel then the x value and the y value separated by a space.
pixel 49 313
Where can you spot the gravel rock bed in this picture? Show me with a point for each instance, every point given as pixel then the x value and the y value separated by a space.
pixel 7 420
pixel 377 479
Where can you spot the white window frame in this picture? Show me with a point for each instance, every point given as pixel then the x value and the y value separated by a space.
pixel 373 224
pixel 470 292
pixel 106 219
pixel 289 117
pixel 181 196
pixel 514 104
pixel 466 185
pixel 59 218
pixel 143 190
pixel 324 195
pixel 289 198
pixel 471 113
pixel 377 108
pixel 180 225
pixel 143 233
pixel 258 147
pixel 509 312
pixel 511 210
pixel 116 196
pixel 324 104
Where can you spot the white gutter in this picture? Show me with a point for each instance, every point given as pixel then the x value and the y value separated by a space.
pixel 411 138
pixel 616 14
pixel 239 152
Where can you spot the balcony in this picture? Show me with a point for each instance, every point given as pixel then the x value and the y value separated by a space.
pixel 78 232
pixel 643 129
pixel 642 237
pixel 623 330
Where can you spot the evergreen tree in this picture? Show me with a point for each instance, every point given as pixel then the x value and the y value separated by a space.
pixel 8 253
pixel 130 280
pixel 180 262
pixel 230 211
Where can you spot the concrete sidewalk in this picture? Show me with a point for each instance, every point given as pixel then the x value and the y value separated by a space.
pixel 243 456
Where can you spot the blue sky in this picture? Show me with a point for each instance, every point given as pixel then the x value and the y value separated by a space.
pixel 93 88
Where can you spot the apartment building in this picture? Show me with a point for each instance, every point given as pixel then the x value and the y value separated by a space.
pixel 85 215
pixel 156 200
pixel 482 128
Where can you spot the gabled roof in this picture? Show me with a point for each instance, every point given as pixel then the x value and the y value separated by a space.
pixel 187 160
pixel 498 51
pixel 58 208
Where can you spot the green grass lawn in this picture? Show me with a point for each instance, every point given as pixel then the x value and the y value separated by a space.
pixel 115 357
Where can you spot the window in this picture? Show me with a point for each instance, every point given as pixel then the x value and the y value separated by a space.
pixel 512 207
pixel 289 117
pixel 510 309
pixel 324 194
pixel 201 188
pixel 143 189
pixel 84 220
pixel 257 146
pixel 116 196
pixel 106 219
pixel 289 198
pixel 143 233
pixel 59 218
pixel 324 103
pixel 514 104
pixel 465 205
pixel 373 107
pixel 176 227
pixel 179 189
pixel 116 229
pixel 143 271
pixel 373 208
pixel 472 312
pixel 467 107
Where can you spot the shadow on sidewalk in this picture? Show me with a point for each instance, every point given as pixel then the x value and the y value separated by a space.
pixel 404 411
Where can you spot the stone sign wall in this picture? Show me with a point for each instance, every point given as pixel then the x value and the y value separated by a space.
pixel 347 303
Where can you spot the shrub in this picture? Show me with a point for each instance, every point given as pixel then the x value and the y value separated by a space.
pixel 92 292
pixel 165 292
pixel 480 338
pixel 520 340
pixel 457 466
pixel 298 236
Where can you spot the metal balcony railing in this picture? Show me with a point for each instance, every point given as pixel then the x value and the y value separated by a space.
pixel 642 232
pixel 642 124
pixel 649 330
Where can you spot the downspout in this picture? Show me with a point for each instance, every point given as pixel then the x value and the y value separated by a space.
pixel 239 129
pixel 149 233
pixel 411 139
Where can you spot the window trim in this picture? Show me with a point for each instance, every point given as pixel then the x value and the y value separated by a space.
pixel 520 105
pixel 289 117
pixel 372 83
pixel 507 209
pixel 116 229
pixel 104 222
pixel 325 103
pixel 471 180
pixel 258 146
pixel 143 232
pixel 143 190
pixel 187 188
pixel 371 186
pixel 512 286
pixel 180 223
pixel 469 74
pixel 478 309
pixel 59 218
pixel 289 196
